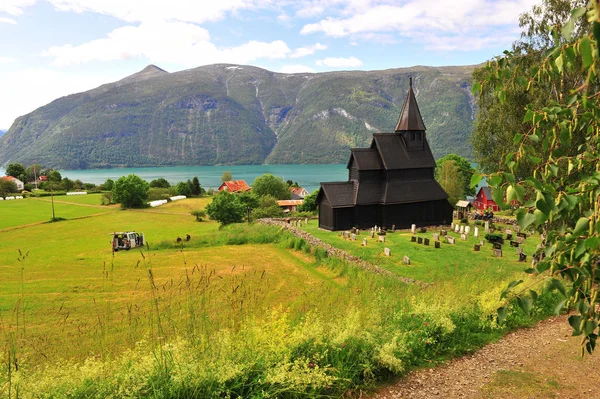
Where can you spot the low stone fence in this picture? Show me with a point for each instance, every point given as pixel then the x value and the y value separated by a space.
pixel 333 251
pixel 496 219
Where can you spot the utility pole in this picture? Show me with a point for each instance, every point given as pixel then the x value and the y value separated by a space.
pixel 52 198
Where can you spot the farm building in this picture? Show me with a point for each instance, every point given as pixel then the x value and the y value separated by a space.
pixel 234 186
pixel 298 192
pixel 484 200
pixel 390 183
pixel 19 183
pixel 290 205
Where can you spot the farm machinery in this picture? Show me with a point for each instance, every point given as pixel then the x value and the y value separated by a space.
pixel 126 240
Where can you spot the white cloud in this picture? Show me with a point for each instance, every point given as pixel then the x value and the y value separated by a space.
pixel 368 19
pixel 340 62
pixel 164 42
pixel 171 10
pixel 32 88
pixel 7 60
pixel 15 7
pixel 304 51
pixel 4 20
pixel 296 69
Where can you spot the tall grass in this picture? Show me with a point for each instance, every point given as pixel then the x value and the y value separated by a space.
pixel 209 334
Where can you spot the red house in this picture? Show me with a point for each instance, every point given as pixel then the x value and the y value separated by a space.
pixel 484 200
pixel 234 186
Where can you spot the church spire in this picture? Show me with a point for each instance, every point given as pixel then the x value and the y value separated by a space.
pixel 410 116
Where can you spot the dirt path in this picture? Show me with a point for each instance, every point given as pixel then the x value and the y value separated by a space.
pixel 539 362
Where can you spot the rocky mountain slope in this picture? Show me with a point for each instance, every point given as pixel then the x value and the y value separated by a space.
pixel 238 114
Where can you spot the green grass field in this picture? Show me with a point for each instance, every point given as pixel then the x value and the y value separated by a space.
pixel 245 310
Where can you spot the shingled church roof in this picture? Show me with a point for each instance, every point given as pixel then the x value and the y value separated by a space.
pixel 395 155
pixel 410 116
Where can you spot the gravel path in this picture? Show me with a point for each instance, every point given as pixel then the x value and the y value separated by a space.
pixel 538 362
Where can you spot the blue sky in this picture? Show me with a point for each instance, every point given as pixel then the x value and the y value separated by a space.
pixel 52 48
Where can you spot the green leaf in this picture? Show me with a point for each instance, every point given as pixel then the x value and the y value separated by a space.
pixel 520 192
pixel 567 30
pixel 596 28
pixel 511 194
pixel 581 226
pixel 585 47
pixel 589 327
pixel 525 218
pixel 498 196
pixel 502 313
pixel 476 88
pixel 513 284
pixel 533 294
pixel 502 96
pixel 575 322
pixel 560 306
pixel 572 201
pixel 528 116
pixel 540 217
pixel 475 179
pixel 525 303
pixel 558 285
pixel 559 63
pixel 553 169
pixel 565 136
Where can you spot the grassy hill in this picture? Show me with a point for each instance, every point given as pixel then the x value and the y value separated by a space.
pixel 228 114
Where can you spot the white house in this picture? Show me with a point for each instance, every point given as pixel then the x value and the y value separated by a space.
pixel 19 183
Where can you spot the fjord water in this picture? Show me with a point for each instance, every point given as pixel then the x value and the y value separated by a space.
pixel 307 176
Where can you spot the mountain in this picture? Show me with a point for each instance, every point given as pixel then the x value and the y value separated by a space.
pixel 2 132
pixel 238 114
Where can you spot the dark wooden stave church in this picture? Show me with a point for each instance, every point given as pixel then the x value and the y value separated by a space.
pixel 390 183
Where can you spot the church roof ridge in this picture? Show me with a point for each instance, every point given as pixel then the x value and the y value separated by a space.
pixel 410 116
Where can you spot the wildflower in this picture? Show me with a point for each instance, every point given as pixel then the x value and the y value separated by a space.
pixel 343 344
pixel 424 323
pixel 311 365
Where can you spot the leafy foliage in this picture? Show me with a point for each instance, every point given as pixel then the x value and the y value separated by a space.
pixel 131 191
pixel 15 170
pixel 7 187
pixel 226 176
pixel 226 208
pixel 560 140
pixel 272 185
pixel 310 202
pixel 451 180
pixel 161 182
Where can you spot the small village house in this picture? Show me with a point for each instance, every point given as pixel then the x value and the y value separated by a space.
pixel 484 200
pixel 463 207
pixel 19 183
pixel 234 186
pixel 298 192
pixel 290 205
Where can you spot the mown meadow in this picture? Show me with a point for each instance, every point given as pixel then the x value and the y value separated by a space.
pixel 240 311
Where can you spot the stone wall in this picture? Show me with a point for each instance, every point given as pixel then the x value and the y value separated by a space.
pixel 333 251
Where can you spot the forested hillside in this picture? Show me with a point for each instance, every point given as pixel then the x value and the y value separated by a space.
pixel 229 114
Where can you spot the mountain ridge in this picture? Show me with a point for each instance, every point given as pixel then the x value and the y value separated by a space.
pixel 238 114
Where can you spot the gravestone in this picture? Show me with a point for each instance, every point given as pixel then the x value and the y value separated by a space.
pixel 420 240
pixel 476 248
pixel 520 240
pixel 423 230
pixel 436 244
pixel 450 239
pixel 372 233
pixel 413 228
pixel 509 236
pixel 381 238
pixel 467 229
pixel 364 242
pixel 456 228
pixel 463 237
pixel 436 237
pixel 413 239
pixel 452 226
pixel 393 228
pixel 498 253
pixel 522 235
pixel 462 230
pixel 519 250
pixel 522 257
pixel 406 260
pixel 353 237
pixel 476 232
pixel 497 245
pixel 443 232
pixel 487 227
pixel 508 231
pixel 357 232
pixel 426 241
pixel 387 251
pixel 514 244
pixel 481 243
